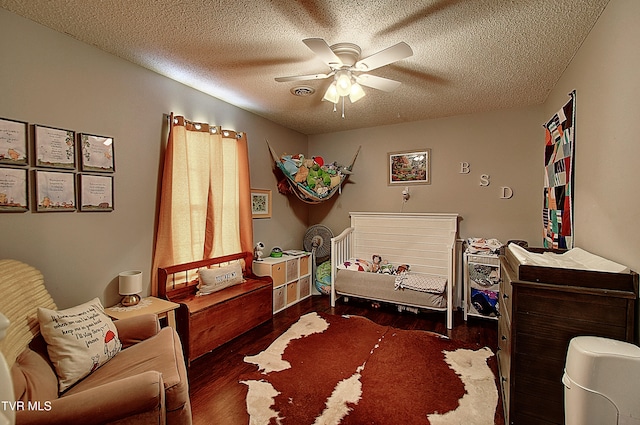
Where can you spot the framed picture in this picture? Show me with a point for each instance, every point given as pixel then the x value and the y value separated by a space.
pixel 413 167
pixel 55 191
pixel 54 147
pixel 14 190
pixel 260 203
pixel 96 193
pixel 13 142
pixel 97 153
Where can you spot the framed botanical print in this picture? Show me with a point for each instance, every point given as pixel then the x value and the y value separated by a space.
pixel 260 203
pixel 410 167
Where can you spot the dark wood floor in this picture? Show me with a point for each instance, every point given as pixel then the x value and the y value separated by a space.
pixel 218 398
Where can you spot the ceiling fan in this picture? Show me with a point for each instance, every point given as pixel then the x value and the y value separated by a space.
pixel 349 71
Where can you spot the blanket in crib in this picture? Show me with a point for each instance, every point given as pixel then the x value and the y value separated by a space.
pixel 421 282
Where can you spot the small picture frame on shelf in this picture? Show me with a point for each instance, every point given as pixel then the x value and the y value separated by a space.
pixel 260 203
pixel 54 147
pixel 96 193
pixel 97 153
pixel 409 167
pixel 14 189
pixel 13 142
pixel 55 191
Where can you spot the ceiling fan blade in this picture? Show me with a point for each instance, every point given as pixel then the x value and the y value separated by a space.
pixel 378 83
pixel 304 77
pixel 384 57
pixel 323 51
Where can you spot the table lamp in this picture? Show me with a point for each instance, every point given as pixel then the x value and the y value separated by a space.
pixel 130 285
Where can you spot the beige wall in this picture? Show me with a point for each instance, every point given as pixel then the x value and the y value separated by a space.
pixel 605 76
pixel 505 145
pixel 509 146
pixel 51 79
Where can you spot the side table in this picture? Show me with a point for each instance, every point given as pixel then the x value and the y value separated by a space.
pixel 161 308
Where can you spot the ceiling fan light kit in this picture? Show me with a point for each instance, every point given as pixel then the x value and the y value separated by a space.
pixel 349 70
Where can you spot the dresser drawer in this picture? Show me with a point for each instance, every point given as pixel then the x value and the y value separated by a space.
pixel 506 291
pixel 504 365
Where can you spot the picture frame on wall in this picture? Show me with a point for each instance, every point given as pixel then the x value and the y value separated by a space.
pixel 96 193
pixel 55 191
pixel 409 167
pixel 54 147
pixel 14 189
pixel 97 153
pixel 260 203
pixel 13 142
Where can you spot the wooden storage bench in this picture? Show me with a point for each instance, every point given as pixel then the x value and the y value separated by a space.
pixel 206 322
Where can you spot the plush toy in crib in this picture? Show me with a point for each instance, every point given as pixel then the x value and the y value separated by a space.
pixel 387 268
pixel 375 267
pixel 402 268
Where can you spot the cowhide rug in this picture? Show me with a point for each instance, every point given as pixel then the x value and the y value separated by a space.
pixel 328 369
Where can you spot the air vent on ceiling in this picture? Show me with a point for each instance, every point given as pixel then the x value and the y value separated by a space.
pixel 303 91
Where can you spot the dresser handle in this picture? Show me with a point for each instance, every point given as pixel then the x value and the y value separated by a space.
pixel 505 296
pixel 504 338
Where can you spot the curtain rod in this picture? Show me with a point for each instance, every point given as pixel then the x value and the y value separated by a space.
pixel 215 128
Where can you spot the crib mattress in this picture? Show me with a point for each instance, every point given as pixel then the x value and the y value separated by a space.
pixel 381 287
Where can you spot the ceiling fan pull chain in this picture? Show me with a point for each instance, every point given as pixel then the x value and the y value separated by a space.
pixel 342 107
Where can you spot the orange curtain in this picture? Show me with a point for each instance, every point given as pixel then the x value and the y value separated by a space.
pixel 205 198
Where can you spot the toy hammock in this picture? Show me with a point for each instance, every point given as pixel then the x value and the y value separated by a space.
pixel 322 181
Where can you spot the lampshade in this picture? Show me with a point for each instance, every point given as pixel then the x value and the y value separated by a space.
pixel 331 94
pixel 343 83
pixel 356 93
pixel 130 285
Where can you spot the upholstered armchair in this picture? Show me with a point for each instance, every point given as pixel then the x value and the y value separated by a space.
pixel 144 382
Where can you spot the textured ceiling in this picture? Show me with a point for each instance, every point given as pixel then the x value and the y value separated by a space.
pixel 469 55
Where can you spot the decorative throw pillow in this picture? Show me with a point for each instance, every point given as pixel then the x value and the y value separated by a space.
pixel 79 340
pixel 357 264
pixel 217 278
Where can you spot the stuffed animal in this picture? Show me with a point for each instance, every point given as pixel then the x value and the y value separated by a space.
pixel 301 175
pixel 283 187
pixel 402 268
pixel 375 268
pixel 289 165
pixel 386 268
pixel 257 251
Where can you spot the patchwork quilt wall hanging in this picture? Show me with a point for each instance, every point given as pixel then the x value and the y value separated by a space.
pixel 557 213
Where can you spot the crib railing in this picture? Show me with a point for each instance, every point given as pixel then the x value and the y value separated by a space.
pixel 340 252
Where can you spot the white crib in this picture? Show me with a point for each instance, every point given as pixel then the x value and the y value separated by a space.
pixel 425 241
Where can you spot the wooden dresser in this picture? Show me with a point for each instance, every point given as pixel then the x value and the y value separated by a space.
pixel 541 310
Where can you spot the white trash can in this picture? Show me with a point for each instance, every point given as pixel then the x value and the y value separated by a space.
pixel 601 382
